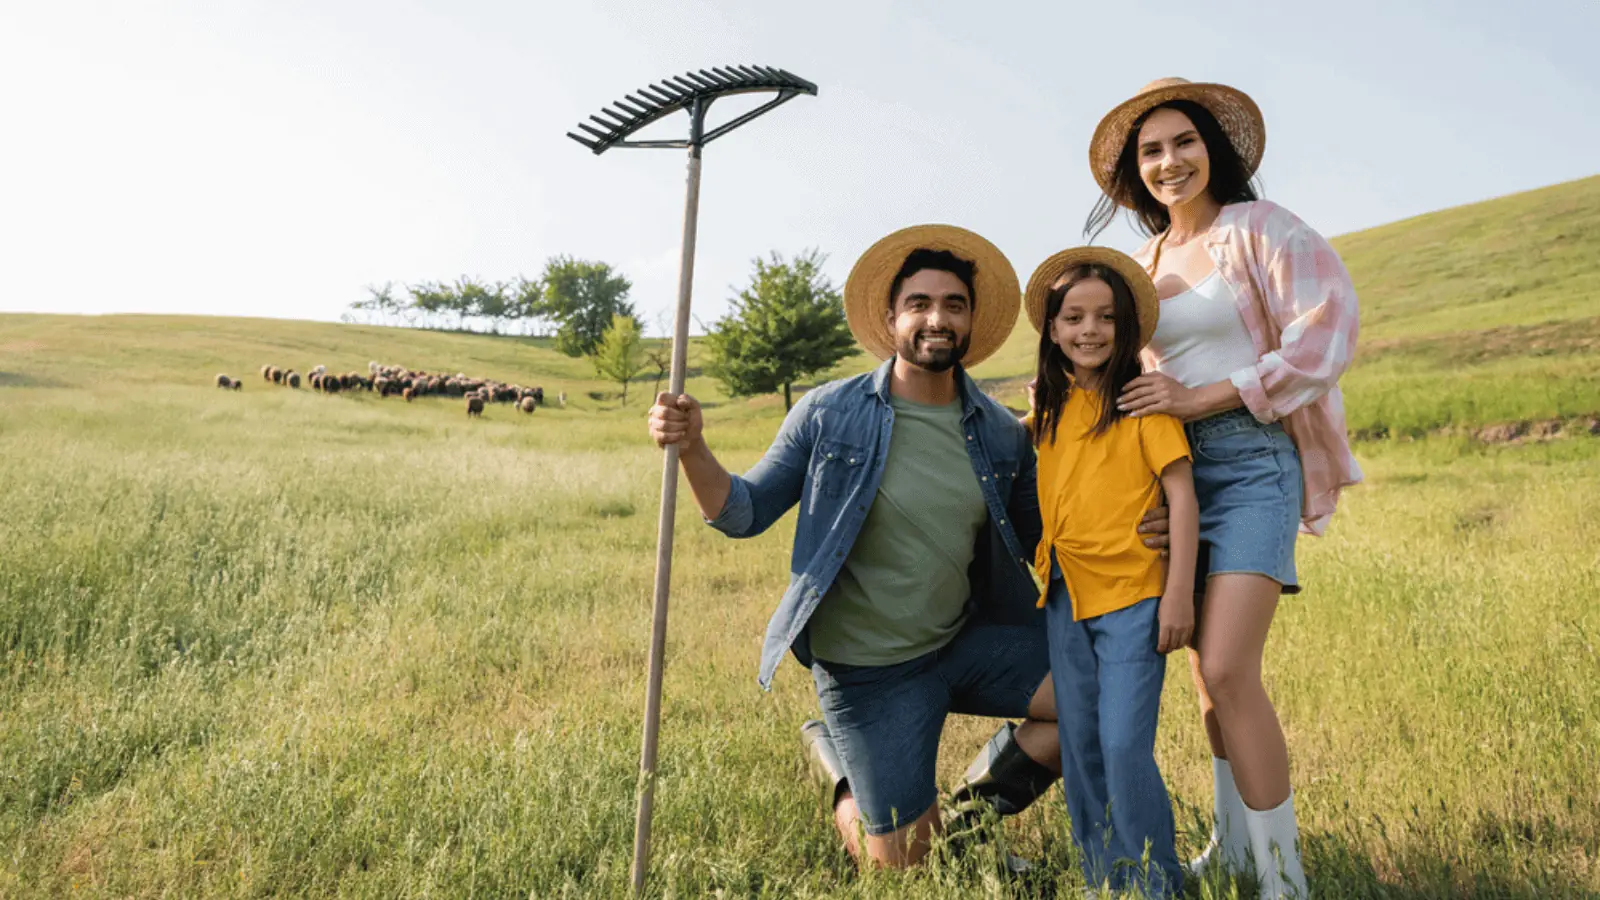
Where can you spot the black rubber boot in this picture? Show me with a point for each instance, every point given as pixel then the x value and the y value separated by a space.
pixel 1003 779
pixel 823 758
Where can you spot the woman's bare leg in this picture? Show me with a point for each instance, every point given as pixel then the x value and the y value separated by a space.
pixel 1235 618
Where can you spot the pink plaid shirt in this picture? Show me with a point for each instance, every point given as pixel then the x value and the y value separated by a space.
pixel 1299 306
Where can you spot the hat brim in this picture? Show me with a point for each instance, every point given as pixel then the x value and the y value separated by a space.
pixel 995 306
pixel 1238 115
pixel 1050 271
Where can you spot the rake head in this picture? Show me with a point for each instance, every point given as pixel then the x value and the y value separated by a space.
pixel 693 92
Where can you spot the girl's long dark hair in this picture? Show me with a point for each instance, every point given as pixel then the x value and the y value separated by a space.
pixel 1230 179
pixel 1054 377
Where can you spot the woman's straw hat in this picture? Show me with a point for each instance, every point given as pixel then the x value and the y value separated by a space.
pixel 1235 111
pixel 994 313
pixel 1050 271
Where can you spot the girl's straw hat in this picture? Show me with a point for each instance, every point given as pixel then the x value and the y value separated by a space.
pixel 1050 271
pixel 1238 115
pixel 994 313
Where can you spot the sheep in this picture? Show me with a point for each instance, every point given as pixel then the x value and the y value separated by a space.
pixel 561 398
pixel 237 384
pixel 408 393
pixel 266 372
pixel 319 370
pixel 528 405
pixel 292 380
pixel 382 386
pixel 224 382
pixel 330 384
pixel 277 375
pixel 474 405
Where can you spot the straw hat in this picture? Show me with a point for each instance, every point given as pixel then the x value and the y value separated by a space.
pixel 1050 271
pixel 1238 115
pixel 994 314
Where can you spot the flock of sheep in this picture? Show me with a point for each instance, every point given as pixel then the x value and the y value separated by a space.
pixel 406 383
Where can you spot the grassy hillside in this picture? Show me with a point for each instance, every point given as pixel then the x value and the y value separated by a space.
pixel 1472 316
pixel 274 643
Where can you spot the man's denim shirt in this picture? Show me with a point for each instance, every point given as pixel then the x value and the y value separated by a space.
pixel 829 457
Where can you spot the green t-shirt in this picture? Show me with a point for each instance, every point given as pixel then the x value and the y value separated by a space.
pixel 903 590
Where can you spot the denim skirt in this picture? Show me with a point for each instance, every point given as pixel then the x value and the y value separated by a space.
pixel 1248 482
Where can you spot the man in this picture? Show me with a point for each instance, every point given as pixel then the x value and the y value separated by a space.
pixel 911 596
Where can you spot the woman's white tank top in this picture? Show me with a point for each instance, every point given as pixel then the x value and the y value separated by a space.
pixel 1200 338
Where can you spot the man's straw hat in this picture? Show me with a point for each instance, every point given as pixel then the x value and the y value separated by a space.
pixel 994 313
pixel 1050 271
pixel 1238 115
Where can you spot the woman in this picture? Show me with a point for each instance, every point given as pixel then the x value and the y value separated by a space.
pixel 1258 321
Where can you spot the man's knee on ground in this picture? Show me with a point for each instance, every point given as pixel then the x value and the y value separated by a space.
pixel 905 846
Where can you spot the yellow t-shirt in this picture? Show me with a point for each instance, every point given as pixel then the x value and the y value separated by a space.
pixel 1093 490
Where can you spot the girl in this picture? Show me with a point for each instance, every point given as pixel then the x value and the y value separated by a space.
pixel 1110 612
pixel 1258 321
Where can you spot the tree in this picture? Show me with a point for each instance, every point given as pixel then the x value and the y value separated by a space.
pixel 431 298
pixel 620 353
pixel 481 300
pixel 583 298
pixel 659 357
pixel 526 303
pixel 789 323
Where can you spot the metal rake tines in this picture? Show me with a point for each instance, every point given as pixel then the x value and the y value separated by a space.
pixel 692 91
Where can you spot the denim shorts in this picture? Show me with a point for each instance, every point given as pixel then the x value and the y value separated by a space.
pixel 1248 481
pixel 886 720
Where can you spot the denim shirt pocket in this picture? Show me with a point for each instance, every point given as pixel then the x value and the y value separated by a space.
pixel 1005 473
pixel 837 467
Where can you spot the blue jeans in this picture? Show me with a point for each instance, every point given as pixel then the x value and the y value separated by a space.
pixel 1108 679
pixel 886 720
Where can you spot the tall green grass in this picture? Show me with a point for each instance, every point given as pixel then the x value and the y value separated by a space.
pixel 272 643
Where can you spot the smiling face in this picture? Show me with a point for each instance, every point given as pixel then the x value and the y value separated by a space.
pixel 1172 158
pixel 1085 328
pixel 931 320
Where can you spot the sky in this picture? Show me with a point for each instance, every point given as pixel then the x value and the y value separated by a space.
pixel 276 157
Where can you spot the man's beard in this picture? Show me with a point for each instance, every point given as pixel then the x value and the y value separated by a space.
pixel 933 359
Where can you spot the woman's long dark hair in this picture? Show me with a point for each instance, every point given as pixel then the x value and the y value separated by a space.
pixel 1230 179
pixel 1054 377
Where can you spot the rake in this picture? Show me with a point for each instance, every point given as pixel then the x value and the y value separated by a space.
pixel 692 92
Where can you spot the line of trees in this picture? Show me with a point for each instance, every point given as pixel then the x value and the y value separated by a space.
pixel 572 299
pixel 787 325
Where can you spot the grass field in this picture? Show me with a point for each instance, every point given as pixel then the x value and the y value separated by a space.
pixel 272 643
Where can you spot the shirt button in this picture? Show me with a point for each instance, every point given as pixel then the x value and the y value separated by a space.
pixel 1002 521
pixel 984 478
pixel 969 437
pixel 852 460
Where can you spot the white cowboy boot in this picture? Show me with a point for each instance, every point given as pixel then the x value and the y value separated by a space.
pixel 1275 843
pixel 1230 841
